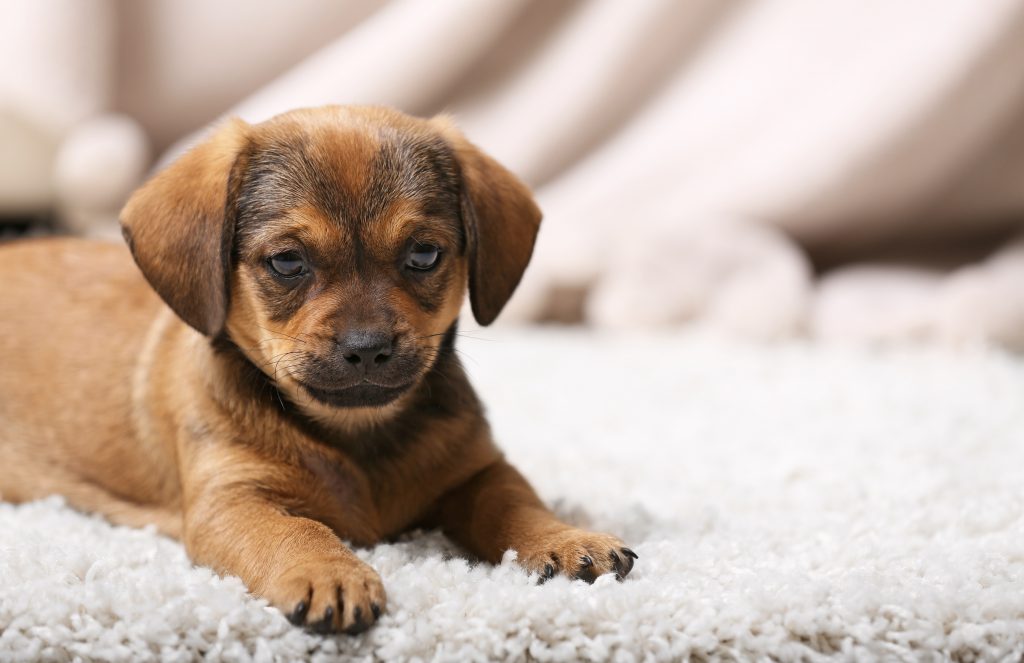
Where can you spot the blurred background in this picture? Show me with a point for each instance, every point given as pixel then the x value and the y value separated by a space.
pixel 845 171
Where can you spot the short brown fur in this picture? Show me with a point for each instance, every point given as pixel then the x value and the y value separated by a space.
pixel 222 402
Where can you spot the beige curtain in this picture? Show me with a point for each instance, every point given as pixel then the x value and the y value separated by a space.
pixel 846 169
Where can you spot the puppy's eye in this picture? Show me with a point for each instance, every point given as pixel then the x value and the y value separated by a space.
pixel 288 264
pixel 423 257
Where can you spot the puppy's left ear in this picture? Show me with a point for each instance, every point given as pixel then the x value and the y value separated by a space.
pixel 180 227
pixel 501 221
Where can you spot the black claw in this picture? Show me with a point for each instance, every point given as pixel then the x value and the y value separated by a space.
pixel 616 560
pixel 629 564
pixel 298 615
pixel 325 625
pixel 358 625
pixel 587 575
pixel 357 628
pixel 547 574
pixel 629 553
pixel 375 609
pixel 586 572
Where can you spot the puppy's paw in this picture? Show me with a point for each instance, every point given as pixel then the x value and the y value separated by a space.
pixel 334 594
pixel 578 554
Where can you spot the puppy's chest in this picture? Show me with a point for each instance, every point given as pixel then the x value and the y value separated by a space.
pixel 368 504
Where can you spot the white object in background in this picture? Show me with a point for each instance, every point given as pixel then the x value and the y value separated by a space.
pixel 739 278
pixel 875 303
pixel 25 165
pixel 96 168
pixel 985 303
pixel 980 303
pixel 58 70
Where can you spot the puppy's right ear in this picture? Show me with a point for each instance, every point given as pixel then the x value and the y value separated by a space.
pixel 180 227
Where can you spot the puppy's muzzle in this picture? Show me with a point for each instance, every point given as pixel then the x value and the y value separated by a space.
pixel 366 350
pixel 363 367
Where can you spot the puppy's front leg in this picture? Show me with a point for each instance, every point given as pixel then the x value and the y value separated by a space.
pixel 239 520
pixel 497 510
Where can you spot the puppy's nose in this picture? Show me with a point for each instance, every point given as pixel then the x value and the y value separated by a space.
pixel 365 349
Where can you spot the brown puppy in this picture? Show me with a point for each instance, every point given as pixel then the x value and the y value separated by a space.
pixel 296 386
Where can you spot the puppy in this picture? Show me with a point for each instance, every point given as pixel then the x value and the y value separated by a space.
pixel 276 376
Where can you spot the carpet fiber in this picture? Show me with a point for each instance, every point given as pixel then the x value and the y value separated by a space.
pixel 793 503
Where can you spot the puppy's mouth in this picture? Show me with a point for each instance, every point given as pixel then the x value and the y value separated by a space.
pixel 365 394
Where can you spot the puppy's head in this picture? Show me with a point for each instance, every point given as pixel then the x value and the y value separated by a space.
pixel 334 245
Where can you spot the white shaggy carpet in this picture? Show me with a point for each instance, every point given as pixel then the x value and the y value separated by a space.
pixel 789 503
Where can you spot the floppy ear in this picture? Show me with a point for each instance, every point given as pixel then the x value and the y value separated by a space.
pixel 180 227
pixel 501 221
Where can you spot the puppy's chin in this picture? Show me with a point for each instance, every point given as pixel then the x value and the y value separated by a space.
pixel 360 395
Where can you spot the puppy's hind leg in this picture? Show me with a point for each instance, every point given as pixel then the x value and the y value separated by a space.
pixel 86 497
pixel 24 477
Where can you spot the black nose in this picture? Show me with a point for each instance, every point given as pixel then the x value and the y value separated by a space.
pixel 365 349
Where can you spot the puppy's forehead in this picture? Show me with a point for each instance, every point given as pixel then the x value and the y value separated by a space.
pixel 355 174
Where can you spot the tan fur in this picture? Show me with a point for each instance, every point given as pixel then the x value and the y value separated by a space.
pixel 206 430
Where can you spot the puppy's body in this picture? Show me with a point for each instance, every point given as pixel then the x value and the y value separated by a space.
pixel 280 376
pixel 66 387
pixel 84 393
